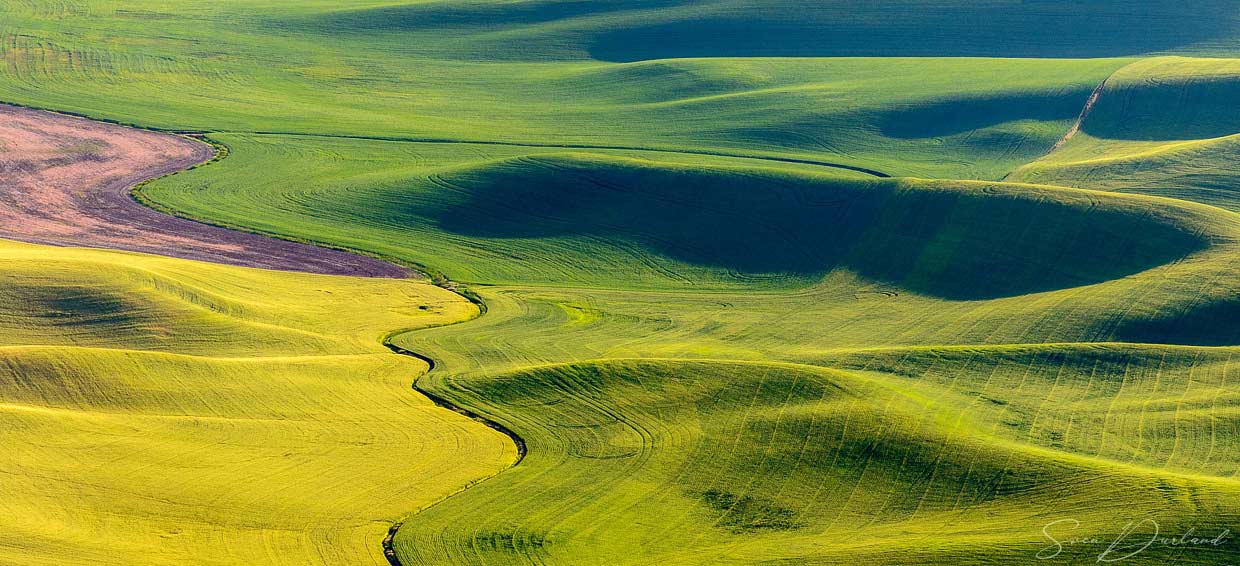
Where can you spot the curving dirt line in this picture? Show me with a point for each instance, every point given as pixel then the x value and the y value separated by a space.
pixel 66 181
pixel 389 541
pixel 1076 126
pixel 1080 119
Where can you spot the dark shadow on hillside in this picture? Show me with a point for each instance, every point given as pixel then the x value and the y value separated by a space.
pixel 1167 110
pixel 916 28
pixel 476 15
pixel 1207 324
pixel 78 306
pixel 958 244
pixel 949 117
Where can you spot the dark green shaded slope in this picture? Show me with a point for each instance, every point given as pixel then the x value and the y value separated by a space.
pixel 957 241
pixel 921 28
pixel 618 30
pixel 615 221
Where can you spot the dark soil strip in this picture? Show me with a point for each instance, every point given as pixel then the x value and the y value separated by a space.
pixel 1076 126
pixel 67 181
pixel 1089 106
pixel 389 548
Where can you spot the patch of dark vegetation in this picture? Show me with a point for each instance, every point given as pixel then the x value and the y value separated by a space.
pixel 389 544
pixel 747 513
pixel 73 305
pixel 144 14
pixel 85 302
pixel 938 239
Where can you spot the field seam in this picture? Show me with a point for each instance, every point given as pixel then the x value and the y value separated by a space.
pixel 389 549
pixel 219 151
pixel 1076 126
pixel 222 151
pixel 551 145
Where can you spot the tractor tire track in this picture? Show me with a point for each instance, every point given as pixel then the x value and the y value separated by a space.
pixel 772 158
pixel 1080 119
pixel 68 181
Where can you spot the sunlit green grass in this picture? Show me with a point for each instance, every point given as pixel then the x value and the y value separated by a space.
pixel 992 426
pixel 245 67
pixel 717 345
pixel 705 462
pixel 159 411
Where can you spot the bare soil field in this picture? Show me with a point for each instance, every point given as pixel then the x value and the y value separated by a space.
pixel 66 181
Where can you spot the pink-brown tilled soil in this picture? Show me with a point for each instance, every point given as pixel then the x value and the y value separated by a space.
pixel 66 181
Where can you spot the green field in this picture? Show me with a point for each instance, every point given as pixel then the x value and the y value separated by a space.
pixel 753 282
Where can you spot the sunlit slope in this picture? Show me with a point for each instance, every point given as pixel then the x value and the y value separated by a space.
pixel 694 462
pixel 917 371
pixel 587 259
pixel 282 67
pixel 159 411
pixel 1165 126
pixel 1144 405
pixel 922 454
pixel 606 220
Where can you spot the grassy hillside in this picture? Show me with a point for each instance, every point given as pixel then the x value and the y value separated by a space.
pixel 660 29
pixel 919 28
pixel 629 30
pixel 749 297
pixel 250 67
pixel 610 220
pixel 653 461
pixel 1164 126
pixel 972 439
pixel 873 445
pixel 161 411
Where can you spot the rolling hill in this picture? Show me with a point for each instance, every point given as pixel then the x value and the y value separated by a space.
pixel 163 411
pixel 770 282
pixel 1163 126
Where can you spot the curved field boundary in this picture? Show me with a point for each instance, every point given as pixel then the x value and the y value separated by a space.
pixel 68 181
pixel 1080 120
pixel 777 159
pixel 389 548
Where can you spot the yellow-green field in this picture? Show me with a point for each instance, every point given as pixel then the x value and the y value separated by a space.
pixel 766 282
pixel 160 411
